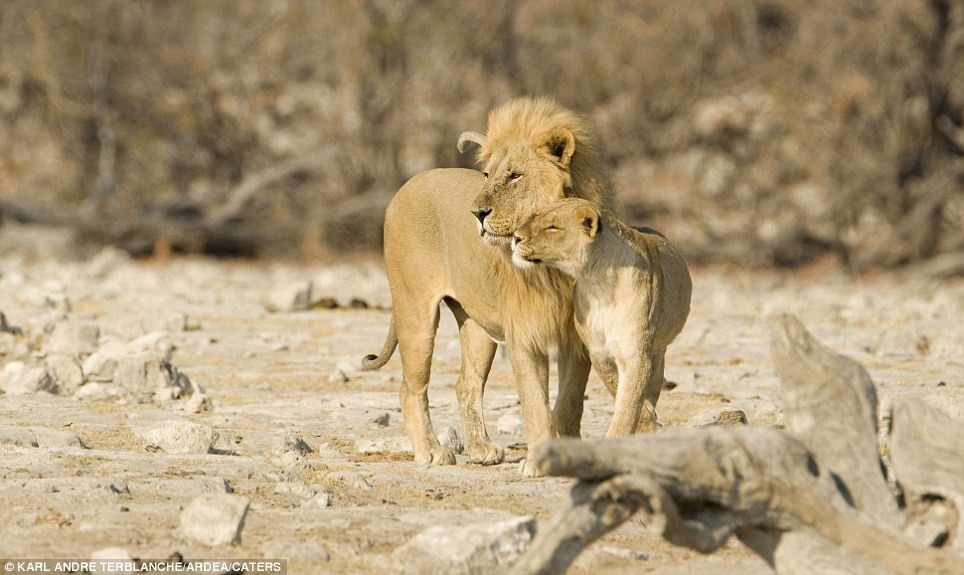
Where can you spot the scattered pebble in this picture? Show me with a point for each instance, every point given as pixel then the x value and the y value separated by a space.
pixel 381 421
pixel 74 337
pixel 296 296
pixel 17 379
pixel 179 436
pixel 118 558
pixel 481 548
pixel 511 424
pixel 449 437
pixel 718 416
pixel 215 519
pixel 338 376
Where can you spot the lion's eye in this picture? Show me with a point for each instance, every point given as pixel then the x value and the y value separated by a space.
pixel 485 175
pixel 552 228
pixel 514 175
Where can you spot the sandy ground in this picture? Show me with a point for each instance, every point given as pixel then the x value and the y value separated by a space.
pixel 348 504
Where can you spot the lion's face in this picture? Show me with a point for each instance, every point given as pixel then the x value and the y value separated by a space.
pixel 521 178
pixel 557 236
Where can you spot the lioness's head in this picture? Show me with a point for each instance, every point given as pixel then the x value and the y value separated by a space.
pixel 534 153
pixel 557 236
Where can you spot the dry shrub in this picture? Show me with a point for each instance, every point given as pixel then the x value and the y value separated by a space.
pixel 754 131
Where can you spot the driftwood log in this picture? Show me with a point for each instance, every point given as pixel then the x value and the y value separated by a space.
pixel 813 498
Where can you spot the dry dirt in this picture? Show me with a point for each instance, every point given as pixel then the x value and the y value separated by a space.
pixel 272 375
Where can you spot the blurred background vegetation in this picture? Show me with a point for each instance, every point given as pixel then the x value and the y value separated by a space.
pixel 759 132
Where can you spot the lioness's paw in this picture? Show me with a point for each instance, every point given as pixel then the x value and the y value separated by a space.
pixel 527 469
pixel 436 456
pixel 486 454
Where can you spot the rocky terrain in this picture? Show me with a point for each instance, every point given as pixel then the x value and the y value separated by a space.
pixel 213 410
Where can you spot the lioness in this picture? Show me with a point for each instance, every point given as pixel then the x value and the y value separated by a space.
pixel 448 238
pixel 632 297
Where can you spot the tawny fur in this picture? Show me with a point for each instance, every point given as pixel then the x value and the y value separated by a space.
pixel 448 238
pixel 631 298
pixel 536 120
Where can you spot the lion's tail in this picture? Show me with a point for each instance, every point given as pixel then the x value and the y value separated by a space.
pixel 371 361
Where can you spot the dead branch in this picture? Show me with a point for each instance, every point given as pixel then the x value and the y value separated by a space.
pixel 830 404
pixel 697 487
pixel 239 197
pixel 926 454
pixel 808 500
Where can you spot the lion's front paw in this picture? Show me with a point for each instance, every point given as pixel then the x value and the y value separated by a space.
pixel 436 456
pixel 486 454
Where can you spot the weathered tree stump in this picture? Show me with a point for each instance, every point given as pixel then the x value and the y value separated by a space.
pixel 811 499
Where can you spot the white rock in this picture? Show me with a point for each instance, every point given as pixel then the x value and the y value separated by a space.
pixel 26 380
pixel 319 500
pixel 449 437
pixel 291 443
pixel 14 366
pixel 13 345
pixel 66 371
pixel 74 337
pixel 338 376
pixel 101 364
pixel 464 550
pixel 215 519
pixel 718 416
pixel 383 445
pixel 314 496
pixel 157 343
pixel 97 391
pixel 197 402
pixel 115 557
pixel 55 438
pixel 18 436
pixel 142 367
pixel 352 479
pixel 350 365
pixel 510 424
pixel 291 297
pixel 154 347
pixel 179 436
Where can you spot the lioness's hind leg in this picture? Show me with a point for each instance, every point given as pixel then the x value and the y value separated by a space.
pixel 416 343
pixel 630 412
pixel 478 351
pixel 606 370
pixel 654 385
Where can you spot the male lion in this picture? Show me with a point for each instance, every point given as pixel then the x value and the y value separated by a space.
pixel 632 297
pixel 534 152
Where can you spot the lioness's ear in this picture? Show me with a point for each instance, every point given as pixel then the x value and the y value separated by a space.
pixel 589 220
pixel 470 136
pixel 561 144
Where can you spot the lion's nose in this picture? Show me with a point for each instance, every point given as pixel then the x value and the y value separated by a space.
pixel 481 215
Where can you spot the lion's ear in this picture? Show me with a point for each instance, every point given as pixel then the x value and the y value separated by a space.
pixel 561 144
pixel 470 136
pixel 589 220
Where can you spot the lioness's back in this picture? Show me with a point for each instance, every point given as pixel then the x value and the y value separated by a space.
pixel 677 285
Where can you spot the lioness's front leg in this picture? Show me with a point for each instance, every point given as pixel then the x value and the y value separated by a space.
pixel 478 351
pixel 531 369
pixel 574 367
